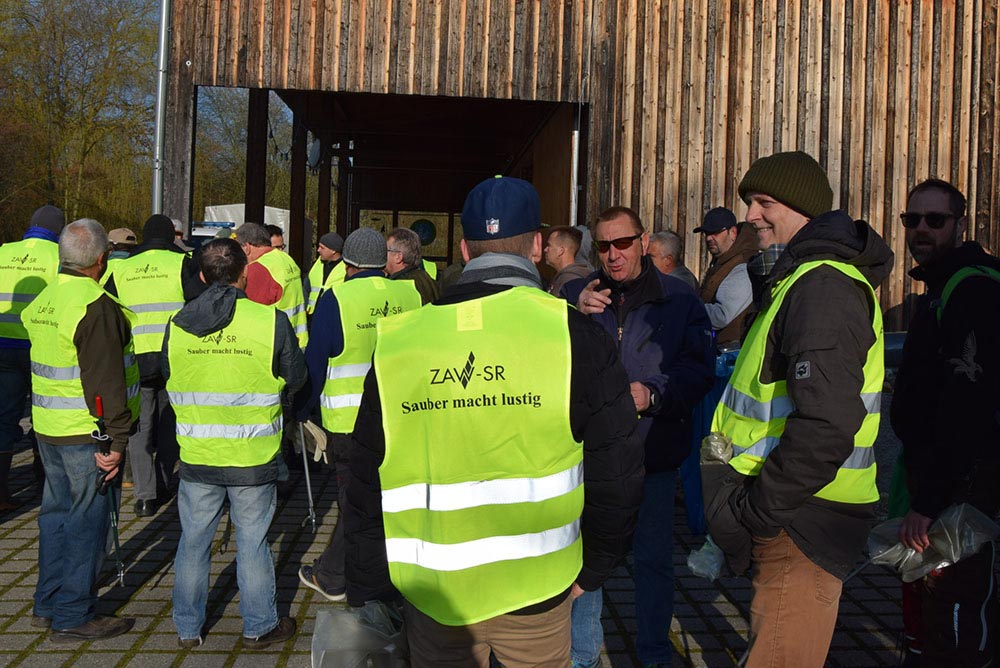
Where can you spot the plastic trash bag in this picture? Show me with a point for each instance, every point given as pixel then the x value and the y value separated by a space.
pixel 368 637
pixel 958 533
pixel 716 448
pixel 707 561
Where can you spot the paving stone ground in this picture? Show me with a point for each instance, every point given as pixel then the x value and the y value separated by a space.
pixel 709 627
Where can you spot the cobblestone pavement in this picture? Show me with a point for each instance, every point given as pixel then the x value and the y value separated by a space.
pixel 709 627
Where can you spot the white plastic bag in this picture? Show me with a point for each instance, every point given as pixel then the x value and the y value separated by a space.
pixel 707 561
pixel 368 637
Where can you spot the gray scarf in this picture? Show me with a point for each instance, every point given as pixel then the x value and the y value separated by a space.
pixel 502 269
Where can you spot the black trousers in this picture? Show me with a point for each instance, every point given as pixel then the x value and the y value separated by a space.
pixel 960 613
pixel 329 568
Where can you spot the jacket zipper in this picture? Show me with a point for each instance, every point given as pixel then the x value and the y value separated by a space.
pixel 621 322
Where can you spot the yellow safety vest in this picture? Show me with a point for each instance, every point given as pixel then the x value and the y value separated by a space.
pixel 26 267
pixel 482 481
pixel 431 268
pixel 58 406
pixel 224 391
pixel 362 303
pixel 753 414
pixel 286 273
pixel 317 286
pixel 150 285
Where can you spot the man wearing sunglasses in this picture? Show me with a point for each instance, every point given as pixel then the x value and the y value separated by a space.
pixel 801 410
pixel 665 340
pixel 944 410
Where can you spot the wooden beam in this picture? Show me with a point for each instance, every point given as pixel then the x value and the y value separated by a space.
pixel 343 185
pixel 323 199
pixel 987 144
pixel 297 205
pixel 181 111
pixel 256 169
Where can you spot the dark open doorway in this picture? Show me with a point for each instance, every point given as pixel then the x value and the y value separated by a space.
pixel 404 160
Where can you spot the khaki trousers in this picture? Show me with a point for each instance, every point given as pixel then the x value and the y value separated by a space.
pixel 518 641
pixel 794 607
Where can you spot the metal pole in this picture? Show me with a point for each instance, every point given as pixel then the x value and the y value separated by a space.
pixel 161 106
pixel 574 178
pixel 311 517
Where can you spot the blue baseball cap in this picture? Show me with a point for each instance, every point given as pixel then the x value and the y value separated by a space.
pixel 716 220
pixel 501 207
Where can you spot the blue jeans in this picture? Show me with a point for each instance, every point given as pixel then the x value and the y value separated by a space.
pixel 200 508
pixel 15 382
pixel 73 524
pixel 587 632
pixel 653 551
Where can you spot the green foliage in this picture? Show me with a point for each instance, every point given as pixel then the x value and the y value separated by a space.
pixel 76 109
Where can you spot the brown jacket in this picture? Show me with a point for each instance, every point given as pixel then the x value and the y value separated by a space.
pixel 744 248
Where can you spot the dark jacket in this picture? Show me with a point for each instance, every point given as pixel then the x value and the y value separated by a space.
pixel 327 344
pixel 149 363
pixel 947 391
pixel 207 314
pixel 826 320
pixel 665 341
pixel 602 415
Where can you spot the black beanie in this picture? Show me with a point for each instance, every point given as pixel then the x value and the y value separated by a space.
pixel 158 226
pixel 794 179
pixel 50 218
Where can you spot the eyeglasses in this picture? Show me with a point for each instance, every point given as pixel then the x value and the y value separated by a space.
pixel 621 243
pixel 935 221
pixel 393 250
pixel 279 247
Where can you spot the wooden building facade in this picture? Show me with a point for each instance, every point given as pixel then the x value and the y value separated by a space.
pixel 674 98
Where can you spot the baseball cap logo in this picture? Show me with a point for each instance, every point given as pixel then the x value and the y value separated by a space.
pixel 492 225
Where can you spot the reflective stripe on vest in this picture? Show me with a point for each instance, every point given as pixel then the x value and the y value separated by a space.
pixel 150 284
pixel 26 267
pixel 482 480
pixel 224 391
pixel 286 273
pixel 480 552
pixel 362 303
pixel 317 286
pixel 58 406
pixel 753 414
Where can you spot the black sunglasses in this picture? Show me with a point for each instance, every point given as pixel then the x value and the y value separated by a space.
pixel 935 221
pixel 621 243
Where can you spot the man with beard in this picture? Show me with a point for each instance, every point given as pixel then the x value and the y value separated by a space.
pixel 944 410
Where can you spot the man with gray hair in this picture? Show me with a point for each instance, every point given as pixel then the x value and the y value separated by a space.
pixel 666 250
pixel 83 371
pixel 404 261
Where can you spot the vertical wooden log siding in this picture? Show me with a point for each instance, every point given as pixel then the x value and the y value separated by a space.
pixel 683 94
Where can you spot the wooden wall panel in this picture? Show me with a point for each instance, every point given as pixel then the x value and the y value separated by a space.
pixel 683 94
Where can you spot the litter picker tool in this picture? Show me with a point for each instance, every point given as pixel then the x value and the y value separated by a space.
pixel 311 517
pixel 104 485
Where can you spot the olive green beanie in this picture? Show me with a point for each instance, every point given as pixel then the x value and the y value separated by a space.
pixel 793 178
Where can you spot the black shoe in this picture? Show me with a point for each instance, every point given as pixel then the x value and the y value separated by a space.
pixel 145 507
pixel 40 622
pixel 308 578
pixel 280 633
pixel 98 628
